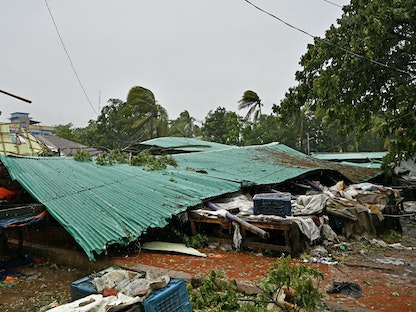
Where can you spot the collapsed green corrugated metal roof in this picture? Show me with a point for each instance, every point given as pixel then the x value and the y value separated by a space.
pixel 101 205
pixel 271 163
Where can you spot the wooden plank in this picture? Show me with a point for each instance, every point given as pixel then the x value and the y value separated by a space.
pixel 292 237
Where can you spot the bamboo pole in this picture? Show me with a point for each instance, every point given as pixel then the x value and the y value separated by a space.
pixel 252 228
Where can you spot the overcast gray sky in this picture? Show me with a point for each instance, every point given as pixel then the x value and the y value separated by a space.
pixel 193 55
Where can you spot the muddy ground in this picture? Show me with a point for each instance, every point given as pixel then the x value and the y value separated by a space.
pixel 387 275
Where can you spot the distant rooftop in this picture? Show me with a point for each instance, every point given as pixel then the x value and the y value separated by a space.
pixel 19 117
pixel 361 156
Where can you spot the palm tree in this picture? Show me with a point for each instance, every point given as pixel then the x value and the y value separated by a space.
pixel 251 100
pixel 147 116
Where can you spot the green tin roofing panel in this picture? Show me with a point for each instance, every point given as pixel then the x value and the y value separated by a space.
pixel 265 164
pixel 184 144
pixel 350 156
pixel 374 164
pixel 101 205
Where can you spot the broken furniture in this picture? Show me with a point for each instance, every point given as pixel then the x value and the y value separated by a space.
pixel 292 239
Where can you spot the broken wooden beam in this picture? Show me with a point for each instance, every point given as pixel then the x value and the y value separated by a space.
pixel 254 229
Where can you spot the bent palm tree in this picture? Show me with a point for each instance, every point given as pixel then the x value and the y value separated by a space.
pixel 146 115
pixel 252 101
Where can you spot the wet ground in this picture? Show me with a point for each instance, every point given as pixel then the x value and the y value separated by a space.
pixel 387 275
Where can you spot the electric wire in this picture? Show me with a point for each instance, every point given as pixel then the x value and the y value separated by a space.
pixel 333 3
pixel 342 49
pixel 329 43
pixel 69 58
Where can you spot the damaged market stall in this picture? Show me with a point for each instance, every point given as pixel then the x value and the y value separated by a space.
pixel 356 211
pixel 104 205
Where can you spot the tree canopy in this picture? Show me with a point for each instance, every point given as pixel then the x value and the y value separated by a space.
pixel 222 126
pixel 184 126
pixel 363 71
pixel 143 113
pixel 252 101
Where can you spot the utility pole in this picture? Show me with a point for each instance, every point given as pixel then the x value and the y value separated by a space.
pixel 16 96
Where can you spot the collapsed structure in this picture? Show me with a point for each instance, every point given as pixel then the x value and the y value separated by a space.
pixel 104 205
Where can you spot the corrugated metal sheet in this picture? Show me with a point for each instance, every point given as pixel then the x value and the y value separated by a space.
pixel 374 165
pixel 184 144
pixel 100 205
pixel 64 147
pixel 266 164
pixel 350 156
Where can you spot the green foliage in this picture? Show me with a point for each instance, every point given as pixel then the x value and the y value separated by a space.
pixel 81 155
pixel 342 80
pixel 46 152
pixel 223 127
pixel 251 100
pixel 265 130
pixel 144 114
pixel 65 131
pixel 112 157
pixel 151 162
pixel 299 277
pixel 391 236
pixel 113 129
pixel 195 241
pixel 184 126
pixel 122 124
pixel 215 294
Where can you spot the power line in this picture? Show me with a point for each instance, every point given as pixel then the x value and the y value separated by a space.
pixel 326 41
pixel 69 58
pixel 333 3
pixel 343 49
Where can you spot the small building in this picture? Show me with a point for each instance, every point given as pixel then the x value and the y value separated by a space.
pixel 22 121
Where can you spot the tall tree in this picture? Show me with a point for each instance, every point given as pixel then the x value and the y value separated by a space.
pixel 110 129
pixel 266 130
pixel 183 126
pixel 65 131
pixel 252 101
pixel 222 126
pixel 144 114
pixel 363 68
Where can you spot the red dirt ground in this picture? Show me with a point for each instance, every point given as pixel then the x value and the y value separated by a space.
pixel 386 287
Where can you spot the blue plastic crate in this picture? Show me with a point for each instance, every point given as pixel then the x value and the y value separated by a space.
pixel 277 204
pixel 172 298
pixel 82 288
pixel 85 285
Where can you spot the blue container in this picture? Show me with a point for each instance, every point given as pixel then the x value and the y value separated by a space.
pixel 172 298
pixel 277 204
pixel 82 288
pixel 85 286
